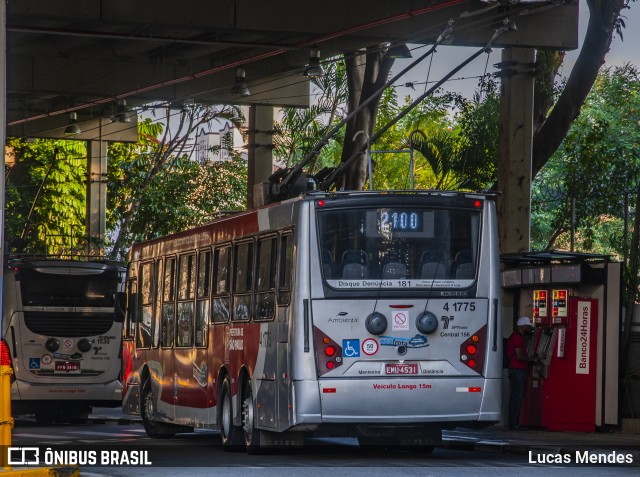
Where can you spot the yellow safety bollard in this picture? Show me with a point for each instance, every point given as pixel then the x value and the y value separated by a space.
pixel 6 421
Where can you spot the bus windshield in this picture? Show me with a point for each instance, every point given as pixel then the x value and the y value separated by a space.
pixel 43 287
pixel 399 247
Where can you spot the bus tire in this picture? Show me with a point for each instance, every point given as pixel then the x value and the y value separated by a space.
pixel 230 434
pixel 153 428
pixel 249 421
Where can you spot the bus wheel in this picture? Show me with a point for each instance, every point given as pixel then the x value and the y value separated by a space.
pixel 249 420
pixel 231 435
pixel 147 410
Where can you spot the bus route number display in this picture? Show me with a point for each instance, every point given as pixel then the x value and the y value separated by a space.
pixel 399 220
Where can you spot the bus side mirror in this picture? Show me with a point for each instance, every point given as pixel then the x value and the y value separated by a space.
pixel 120 307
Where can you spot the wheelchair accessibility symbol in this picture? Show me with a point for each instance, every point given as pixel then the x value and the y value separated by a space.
pixel 351 348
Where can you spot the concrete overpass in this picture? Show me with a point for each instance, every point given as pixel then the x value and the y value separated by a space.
pixel 87 56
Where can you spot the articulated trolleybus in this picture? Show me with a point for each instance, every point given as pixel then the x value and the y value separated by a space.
pixel 58 324
pixel 365 314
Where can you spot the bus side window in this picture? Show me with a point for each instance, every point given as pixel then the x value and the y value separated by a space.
pixel 285 269
pixel 242 278
pixel 202 296
pixel 157 307
pixel 129 326
pixel 145 306
pixel 168 305
pixel 221 271
pixel 186 294
pixel 266 280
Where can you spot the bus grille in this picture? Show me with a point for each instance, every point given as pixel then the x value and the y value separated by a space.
pixel 70 325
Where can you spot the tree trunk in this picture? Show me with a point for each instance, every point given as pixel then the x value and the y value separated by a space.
pixel 603 21
pixel 366 73
pixel 634 264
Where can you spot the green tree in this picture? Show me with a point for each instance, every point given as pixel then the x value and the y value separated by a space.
pixel 583 186
pixel 152 183
pixel 299 130
pixel 579 196
pixel 45 201
pixel 554 113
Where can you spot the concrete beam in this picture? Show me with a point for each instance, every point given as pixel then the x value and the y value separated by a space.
pixel 93 129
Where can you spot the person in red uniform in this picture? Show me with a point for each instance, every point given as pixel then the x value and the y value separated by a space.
pixel 518 369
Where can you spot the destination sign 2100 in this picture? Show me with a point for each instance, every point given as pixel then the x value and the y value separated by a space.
pixel 399 220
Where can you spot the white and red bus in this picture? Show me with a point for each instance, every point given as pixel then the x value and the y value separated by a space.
pixel 58 323
pixel 366 314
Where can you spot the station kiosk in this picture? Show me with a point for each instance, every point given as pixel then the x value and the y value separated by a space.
pixel 574 303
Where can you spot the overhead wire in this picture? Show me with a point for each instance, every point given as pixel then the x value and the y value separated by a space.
pixel 329 180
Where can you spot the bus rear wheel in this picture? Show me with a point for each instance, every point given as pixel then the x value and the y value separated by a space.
pixel 249 421
pixel 231 435
pixel 147 410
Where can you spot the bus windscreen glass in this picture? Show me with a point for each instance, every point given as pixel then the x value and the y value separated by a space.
pixel 45 289
pixel 399 247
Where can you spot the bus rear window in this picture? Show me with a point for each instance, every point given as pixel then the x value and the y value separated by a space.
pixel 399 247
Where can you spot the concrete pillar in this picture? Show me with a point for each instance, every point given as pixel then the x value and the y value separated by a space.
pixel 514 172
pixel 260 152
pixel 96 196
pixel 516 142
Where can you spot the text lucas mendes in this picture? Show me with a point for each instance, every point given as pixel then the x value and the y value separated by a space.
pixel 581 457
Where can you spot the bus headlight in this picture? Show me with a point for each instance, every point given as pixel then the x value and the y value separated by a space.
pixel 376 323
pixel 52 344
pixel 84 345
pixel 427 323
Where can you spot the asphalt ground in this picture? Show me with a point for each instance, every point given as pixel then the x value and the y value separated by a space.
pixel 535 443
pixel 499 439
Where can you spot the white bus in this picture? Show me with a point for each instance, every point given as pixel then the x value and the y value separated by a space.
pixel 58 323
pixel 372 315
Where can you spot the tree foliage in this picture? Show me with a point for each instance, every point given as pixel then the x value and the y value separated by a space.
pixel 157 188
pixel 46 197
pixel 298 130
pixel 585 182
pixel 555 113
pixel 154 187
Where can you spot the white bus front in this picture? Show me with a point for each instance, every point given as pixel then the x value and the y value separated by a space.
pixel 59 326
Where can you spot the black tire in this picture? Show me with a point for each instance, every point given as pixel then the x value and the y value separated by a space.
pixel 249 421
pixel 153 428
pixel 230 434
